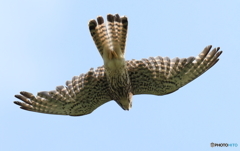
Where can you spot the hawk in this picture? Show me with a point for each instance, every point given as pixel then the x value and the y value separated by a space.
pixel 118 79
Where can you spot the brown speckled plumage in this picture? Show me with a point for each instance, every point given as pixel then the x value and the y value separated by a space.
pixel 118 79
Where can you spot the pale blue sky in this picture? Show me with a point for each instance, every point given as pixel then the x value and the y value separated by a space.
pixel 44 43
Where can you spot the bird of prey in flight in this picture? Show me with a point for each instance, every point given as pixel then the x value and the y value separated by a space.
pixel 118 79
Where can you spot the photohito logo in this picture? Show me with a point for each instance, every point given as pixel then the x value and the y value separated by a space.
pixel 223 145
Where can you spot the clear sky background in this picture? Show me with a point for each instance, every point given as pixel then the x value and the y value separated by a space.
pixel 44 43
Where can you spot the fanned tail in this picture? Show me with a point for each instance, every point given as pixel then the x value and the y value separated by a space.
pixel 111 40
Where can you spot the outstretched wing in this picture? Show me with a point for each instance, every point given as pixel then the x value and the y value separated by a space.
pixel 81 96
pixel 160 76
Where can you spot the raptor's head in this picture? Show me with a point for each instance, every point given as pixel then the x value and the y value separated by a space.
pixel 125 102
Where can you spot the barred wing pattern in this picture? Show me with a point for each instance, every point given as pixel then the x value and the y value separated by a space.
pixel 81 96
pixel 160 76
pixel 157 76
